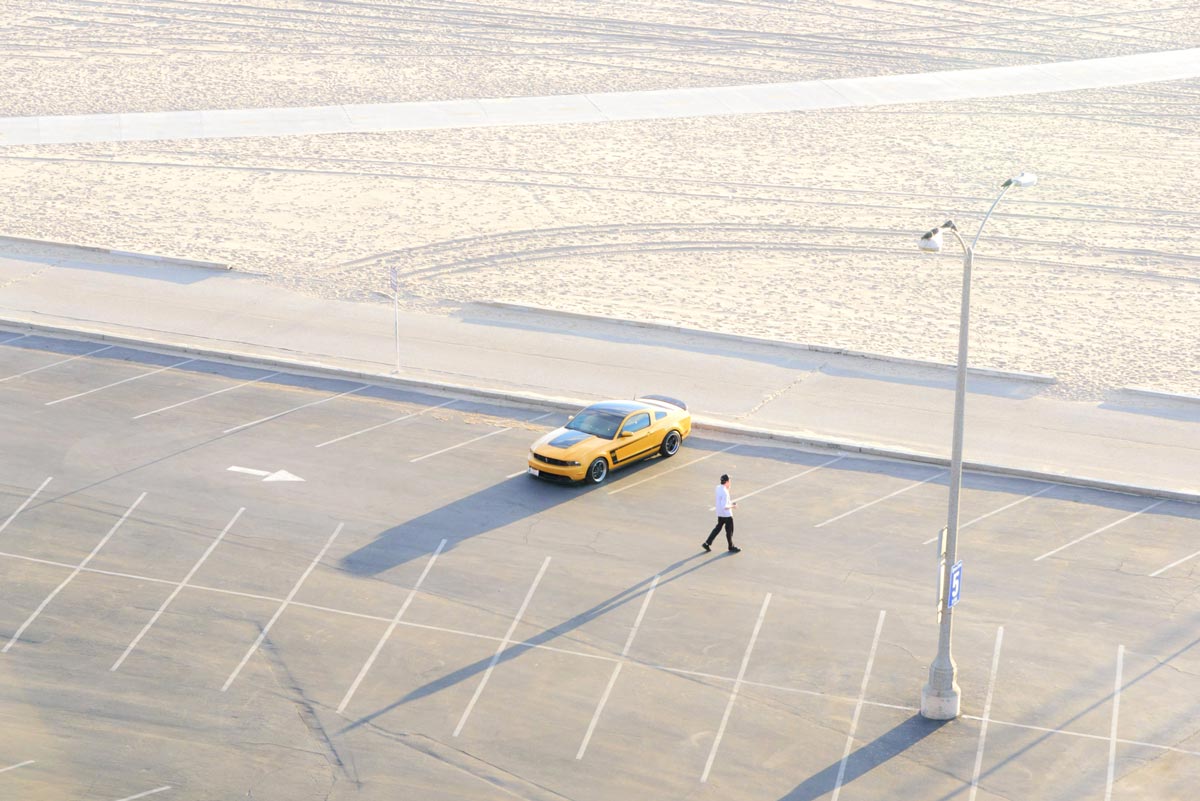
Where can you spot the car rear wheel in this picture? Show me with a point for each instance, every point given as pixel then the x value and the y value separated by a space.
pixel 670 444
pixel 597 471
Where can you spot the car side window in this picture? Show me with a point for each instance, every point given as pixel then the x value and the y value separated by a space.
pixel 637 422
pixel 659 415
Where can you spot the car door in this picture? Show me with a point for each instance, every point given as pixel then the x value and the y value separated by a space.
pixel 633 439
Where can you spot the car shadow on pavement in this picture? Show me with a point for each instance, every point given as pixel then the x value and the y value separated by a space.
pixel 493 508
pixel 879 751
pixel 670 573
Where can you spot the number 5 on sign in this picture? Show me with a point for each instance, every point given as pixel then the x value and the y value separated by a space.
pixel 955 584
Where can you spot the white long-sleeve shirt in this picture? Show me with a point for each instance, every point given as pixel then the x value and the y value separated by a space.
pixel 724 508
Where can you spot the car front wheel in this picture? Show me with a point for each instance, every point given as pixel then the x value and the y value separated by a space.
pixel 597 471
pixel 670 444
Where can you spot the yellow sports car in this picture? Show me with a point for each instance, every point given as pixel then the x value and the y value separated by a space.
pixel 608 435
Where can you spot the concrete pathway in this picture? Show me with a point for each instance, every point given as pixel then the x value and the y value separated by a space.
pixel 760 388
pixel 609 107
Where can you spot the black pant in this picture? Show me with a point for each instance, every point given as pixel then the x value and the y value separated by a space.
pixel 727 522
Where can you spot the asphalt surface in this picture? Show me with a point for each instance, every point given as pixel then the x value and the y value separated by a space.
pixel 416 618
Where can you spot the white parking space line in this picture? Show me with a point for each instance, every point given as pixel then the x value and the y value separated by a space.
pixel 19 764
pixel 28 500
pixel 504 643
pixel 78 568
pixel 936 475
pixel 1156 573
pixel 267 628
pixel 1042 491
pixel 391 627
pixel 143 795
pixel 122 381
pixel 1112 739
pixel 617 669
pixel 1099 530
pixel 841 774
pixel 624 487
pixel 206 395
pixel 277 415
pixel 381 425
pixel 13 338
pixel 586 655
pixel 55 364
pixel 987 713
pixel 476 439
pixel 737 683
pixel 814 468
pixel 178 588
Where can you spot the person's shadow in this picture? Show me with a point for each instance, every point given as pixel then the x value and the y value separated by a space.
pixel 638 590
pixel 865 759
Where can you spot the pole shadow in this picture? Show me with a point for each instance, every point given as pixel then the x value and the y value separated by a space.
pixel 866 758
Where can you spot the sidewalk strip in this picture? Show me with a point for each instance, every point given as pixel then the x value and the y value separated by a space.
pixel 54 364
pixel 178 588
pixel 476 439
pixel 202 397
pixel 1112 738
pixel 391 627
pixel 27 501
pixel 987 713
pixel 624 487
pixel 1161 570
pixel 938 474
pixel 1042 491
pixel 122 381
pixel 841 774
pixel 783 481
pixel 737 683
pixel 295 409
pixel 267 628
pixel 1099 530
pixel 504 643
pixel 78 569
pixel 617 668
pixel 381 425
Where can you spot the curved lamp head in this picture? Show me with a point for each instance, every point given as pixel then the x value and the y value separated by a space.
pixel 1022 180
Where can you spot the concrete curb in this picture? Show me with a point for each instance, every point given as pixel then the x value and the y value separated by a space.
pixel 1158 393
pixel 207 265
pixel 1037 378
pixel 320 369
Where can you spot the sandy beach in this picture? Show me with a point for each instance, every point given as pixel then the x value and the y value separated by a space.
pixel 796 226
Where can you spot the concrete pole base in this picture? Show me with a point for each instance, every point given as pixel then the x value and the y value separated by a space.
pixel 941 707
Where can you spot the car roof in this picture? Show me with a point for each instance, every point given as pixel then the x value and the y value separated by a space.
pixel 621 407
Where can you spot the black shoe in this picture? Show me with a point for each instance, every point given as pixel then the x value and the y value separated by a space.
pixel 706 546
pixel 735 549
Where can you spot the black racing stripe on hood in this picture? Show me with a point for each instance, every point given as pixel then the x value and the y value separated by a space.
pixel 568 438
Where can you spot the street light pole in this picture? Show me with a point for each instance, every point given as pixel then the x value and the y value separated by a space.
pixel 941 697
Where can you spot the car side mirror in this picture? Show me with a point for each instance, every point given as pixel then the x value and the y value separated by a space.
pixel 626 433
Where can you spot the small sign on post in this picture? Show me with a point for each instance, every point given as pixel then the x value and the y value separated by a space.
pixel 955 584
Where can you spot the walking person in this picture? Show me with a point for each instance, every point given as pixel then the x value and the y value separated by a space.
pixel 725 509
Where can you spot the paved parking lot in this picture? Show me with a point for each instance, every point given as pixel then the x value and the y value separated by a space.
pixel 416 618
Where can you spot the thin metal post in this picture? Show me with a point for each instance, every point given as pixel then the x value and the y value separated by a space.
pixel 395 280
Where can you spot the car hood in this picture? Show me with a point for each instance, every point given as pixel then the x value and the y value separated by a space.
pixel 566 442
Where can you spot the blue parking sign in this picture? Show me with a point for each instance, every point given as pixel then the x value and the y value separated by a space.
pixel 955 584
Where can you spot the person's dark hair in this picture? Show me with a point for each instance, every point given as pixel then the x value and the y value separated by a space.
pixel 725 478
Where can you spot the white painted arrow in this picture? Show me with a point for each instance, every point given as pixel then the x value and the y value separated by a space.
pixel 278 475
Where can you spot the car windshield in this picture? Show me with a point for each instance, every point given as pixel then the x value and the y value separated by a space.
pixel 596 423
